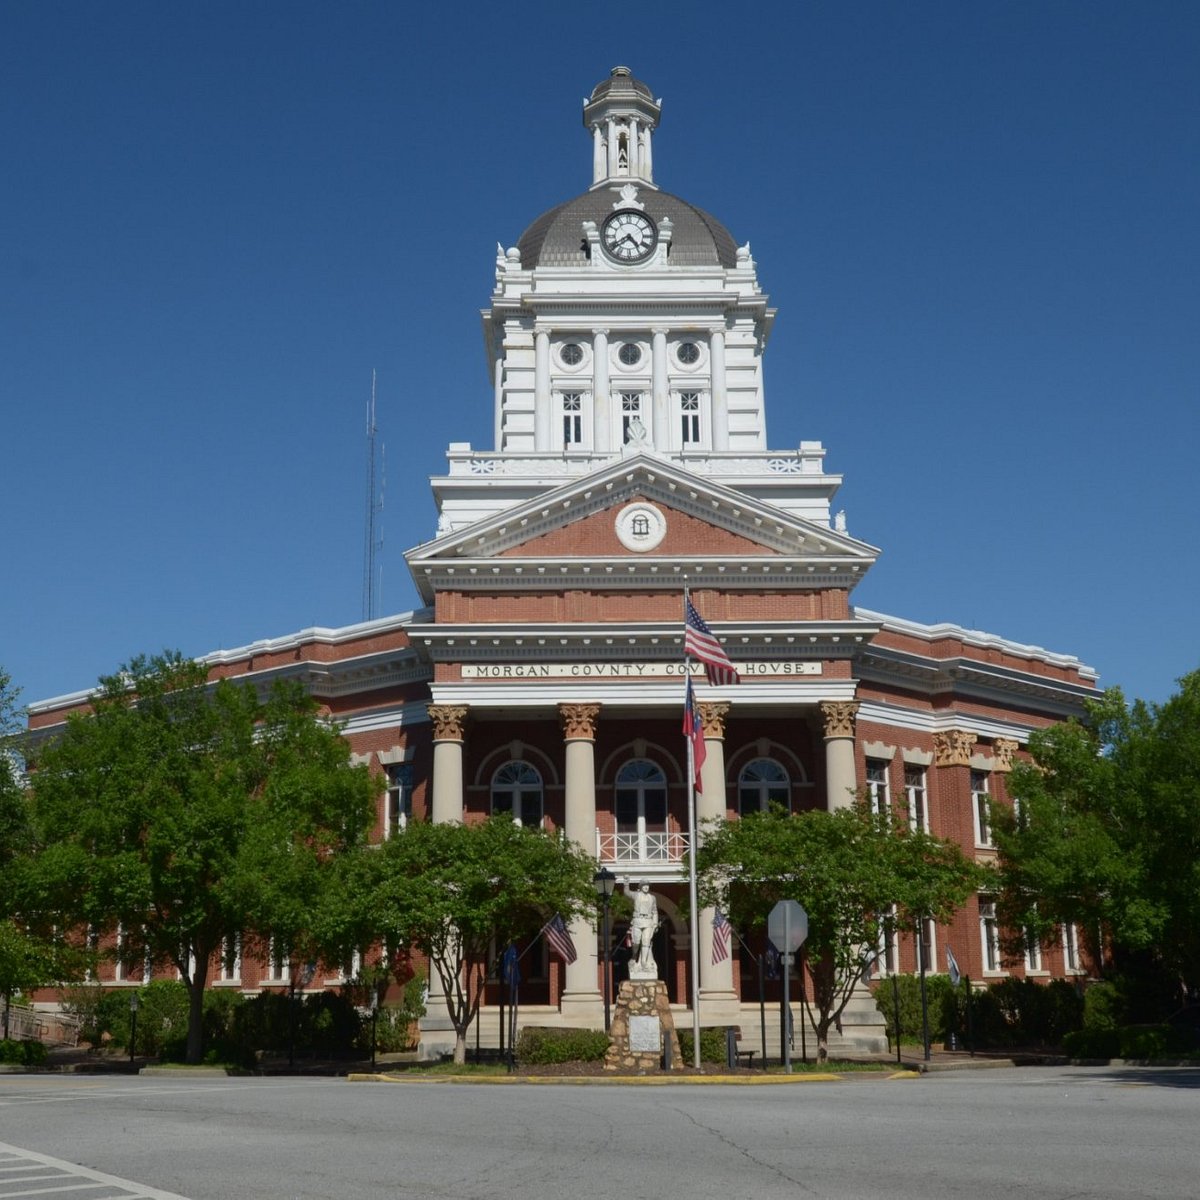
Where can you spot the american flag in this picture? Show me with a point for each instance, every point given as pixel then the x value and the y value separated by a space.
pixel 721 932
pixel 693 731
pixel 952 967
pixel 559 938
pixel 700 643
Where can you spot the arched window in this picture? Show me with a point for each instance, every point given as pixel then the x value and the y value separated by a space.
pixel 763 782
pixel 517 789
pixel 641 810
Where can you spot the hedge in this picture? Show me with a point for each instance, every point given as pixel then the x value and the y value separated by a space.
pixel 537 1045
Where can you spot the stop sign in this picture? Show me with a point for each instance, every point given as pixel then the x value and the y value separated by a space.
pixel 787 926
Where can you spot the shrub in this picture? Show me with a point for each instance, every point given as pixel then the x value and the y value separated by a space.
pixel 22 1054
pixel 939 997
pixel 712 1044
pixel 1093 1043
pixel 1103 1007
pixel 538 1045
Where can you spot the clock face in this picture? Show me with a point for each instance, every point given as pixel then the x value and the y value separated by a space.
pixel 629 236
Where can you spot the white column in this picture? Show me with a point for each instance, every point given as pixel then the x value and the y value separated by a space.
pixel 635 160
pixel 446 806
pixel 498 383
pixel 661 435
pixel 581 998
pixel 612 148
pixel 541 389
pixel 597 153
pixel 720 398
pixel 601 400
pixel 716 980
pixel 647 160
pixel 840 779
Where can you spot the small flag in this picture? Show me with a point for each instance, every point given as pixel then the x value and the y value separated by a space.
pixel 774 962
pixel 700 642
pixel 559 938
pixel 510 971
pixel 694 732
pixel 721 932
pixel 952 967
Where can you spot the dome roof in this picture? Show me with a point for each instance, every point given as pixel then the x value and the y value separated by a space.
pixel 555 239
pixel 621 85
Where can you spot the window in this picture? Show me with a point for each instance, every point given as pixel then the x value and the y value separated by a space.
pixel 572 404
pixel 981 808
pixel 1033 951
pixel 231 959
pixel 762 783
pixel 1070 945
pixel 121 955
pixel 641 811
pixel 914 791
pixel 278 962
pixel 689 415
pixel 572 354
pixel 630 354
pixel 688 353
pixel 640 525
pixel 631 411
pixel 989 935
pixel 888 961
pixel 517 789
pixel 877 785
pixel 398 812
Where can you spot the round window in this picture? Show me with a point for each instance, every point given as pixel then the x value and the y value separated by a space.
pixel 630 354
pixel 572 354
pixel 688 352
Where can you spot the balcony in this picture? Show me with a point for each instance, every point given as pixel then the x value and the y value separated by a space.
pixel 641 847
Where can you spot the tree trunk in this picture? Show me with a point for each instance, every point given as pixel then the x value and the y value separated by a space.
pixel 460 1047
pixel 195 1034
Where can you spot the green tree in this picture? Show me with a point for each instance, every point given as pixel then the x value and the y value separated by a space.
pixel 1105 834
pixel 458 893
pixel 186 812
pixel 847 868
pixel 28 958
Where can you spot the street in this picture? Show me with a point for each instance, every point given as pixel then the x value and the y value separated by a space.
pixel 1024 1132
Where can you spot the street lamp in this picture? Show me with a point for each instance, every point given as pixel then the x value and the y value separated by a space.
pixel 374 1022
pixel 133 1009
pixel 605 882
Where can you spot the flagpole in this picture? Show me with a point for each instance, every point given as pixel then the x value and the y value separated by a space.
pixel 694 915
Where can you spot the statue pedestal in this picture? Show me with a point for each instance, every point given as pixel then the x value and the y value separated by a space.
pixel 641 1018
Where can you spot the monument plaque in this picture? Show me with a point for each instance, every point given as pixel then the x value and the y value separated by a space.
pixel 645 1035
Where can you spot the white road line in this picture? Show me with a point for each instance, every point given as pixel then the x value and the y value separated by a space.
pixel 14 1157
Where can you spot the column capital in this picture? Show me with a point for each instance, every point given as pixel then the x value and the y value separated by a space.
pixel 541 331
pixel 659 330
pixel 1004 749
pixel 448 721
pixel 601 332
pixel 578 721
pixel 839 717
pixel 952 747
pixel 712 718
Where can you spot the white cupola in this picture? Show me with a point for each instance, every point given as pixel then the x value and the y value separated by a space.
pixel 622 115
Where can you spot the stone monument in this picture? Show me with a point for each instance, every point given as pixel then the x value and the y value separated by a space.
pixel 642 1017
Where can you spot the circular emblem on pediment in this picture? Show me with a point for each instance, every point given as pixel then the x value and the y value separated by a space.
pixel 640 526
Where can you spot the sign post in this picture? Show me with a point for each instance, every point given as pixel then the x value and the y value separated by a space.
pixel 787 927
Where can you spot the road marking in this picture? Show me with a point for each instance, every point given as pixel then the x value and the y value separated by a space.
pixel 68 1177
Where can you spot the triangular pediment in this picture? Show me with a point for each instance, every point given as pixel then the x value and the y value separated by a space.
pixel 694 524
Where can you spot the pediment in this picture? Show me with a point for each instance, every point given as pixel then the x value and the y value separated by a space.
pixel 704 523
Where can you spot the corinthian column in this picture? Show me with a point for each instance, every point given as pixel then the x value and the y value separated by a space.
pixel 840 780
pixel 717 993
pixel 581 993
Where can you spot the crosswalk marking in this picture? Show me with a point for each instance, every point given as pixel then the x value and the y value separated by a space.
pixel 54 1176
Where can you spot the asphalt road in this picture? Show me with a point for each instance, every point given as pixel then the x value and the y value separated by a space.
pixel 1014 1133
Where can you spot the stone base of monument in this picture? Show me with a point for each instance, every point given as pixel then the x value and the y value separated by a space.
pixel 640 1020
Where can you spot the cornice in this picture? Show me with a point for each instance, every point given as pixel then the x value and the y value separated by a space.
pixel 897 716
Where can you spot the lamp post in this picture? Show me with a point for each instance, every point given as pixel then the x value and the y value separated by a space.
pixel 133 1009
pixel 605 882
pixel 374 1022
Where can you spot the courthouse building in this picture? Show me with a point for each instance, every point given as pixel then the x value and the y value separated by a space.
pixel 627 338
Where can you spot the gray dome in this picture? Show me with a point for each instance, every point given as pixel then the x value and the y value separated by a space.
pixel 621 85
pixel 555 239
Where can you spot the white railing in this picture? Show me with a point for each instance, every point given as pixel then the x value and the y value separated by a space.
pixel 647 847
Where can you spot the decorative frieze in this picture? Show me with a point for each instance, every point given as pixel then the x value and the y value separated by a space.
pixel 952 747
pixel 839 717
pixel 578 721
pixel 448 721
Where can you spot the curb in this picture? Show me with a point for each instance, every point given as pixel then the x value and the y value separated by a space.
pixel 612 1080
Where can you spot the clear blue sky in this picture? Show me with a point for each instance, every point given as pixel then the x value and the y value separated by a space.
pixel 980 224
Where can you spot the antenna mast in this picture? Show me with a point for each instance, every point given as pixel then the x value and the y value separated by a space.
pixel 373 543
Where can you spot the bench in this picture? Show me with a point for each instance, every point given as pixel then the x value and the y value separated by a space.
pixel 734 1056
